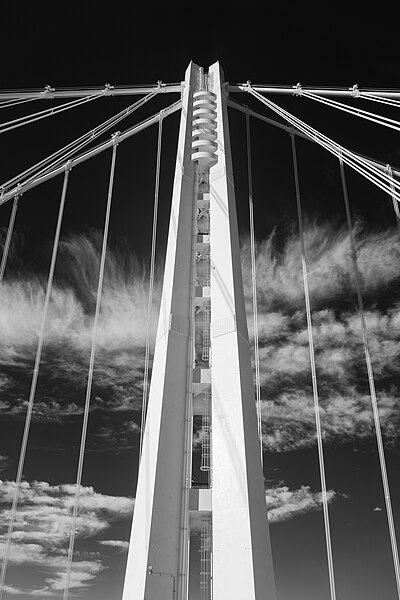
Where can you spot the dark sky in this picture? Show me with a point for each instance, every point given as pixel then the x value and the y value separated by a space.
pixel 89 44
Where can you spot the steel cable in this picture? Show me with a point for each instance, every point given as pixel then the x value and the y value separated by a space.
pixel 364 114
pixel 48 112
pixel 65 153
pixel 394 201
pixel 371 382
pixel 321 459
pixel 7 243
pixel 32 392
pixel 356 162
pixel 14 102
pixel 388 101
pixel 151 288
pixel 90 153
pixel 90 375
pixel 254 286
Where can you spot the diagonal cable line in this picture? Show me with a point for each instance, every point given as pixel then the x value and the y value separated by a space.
pixel 371 382
pixel 32 392
pixel 321 459
pixel 357 163
pixel 63 154
pixel 101 147
pixel 151 288
pixel 48 112
pixel 7 242
pixel 368 96
pixel 14 102
pixel 394 201
pixel 90 375
pixel 260 116
pixel 358 112
pixel 254 285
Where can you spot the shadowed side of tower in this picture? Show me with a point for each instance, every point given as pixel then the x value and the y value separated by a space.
pixel 157 559
pixel 201 369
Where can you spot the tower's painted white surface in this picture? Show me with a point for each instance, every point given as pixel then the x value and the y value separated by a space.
pixel 189 380
pixel 242 562
pixel 157 558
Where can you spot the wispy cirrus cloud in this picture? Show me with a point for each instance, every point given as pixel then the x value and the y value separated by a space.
pixel 42 527
pixel 43 522
pixel 284 503
pixel 345 403
pixel 284 353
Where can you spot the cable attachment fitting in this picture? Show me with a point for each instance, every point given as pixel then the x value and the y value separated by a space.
pixel 48 90
pixel 355 91
pixel 108 87
pixel 298 90
pixel 18 192
pixel 389 170
pixel 115 138
pixel 68 166
pixel 248 85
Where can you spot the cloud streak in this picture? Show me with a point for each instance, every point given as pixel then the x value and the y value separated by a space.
pixel 42 527
pixel 284 503
pixel 43 521
pixel 284 354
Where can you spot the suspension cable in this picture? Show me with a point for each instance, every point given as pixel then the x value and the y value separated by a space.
pixel 314 377
pixel 27 119
pixel 14 102
pixel 394 201
pixel 151 287
pixel 371 382
pixel 70 149
pixel 368 96
pixel 356 162
pixel 32 393
pixel 7 242
pixel 254 286
pixel 90 153
pixel 90 374
pixel 365 114
pixel 260 116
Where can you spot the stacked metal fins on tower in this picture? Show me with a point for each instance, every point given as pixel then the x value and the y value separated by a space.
pixel 201 369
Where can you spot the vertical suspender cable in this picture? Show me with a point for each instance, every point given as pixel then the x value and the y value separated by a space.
pixel 90 374
pixel 254 285
pixel 314 378
pixel 371 381
pixel 394 201
pixel 33 385
pixel 151 287
pixel 7 243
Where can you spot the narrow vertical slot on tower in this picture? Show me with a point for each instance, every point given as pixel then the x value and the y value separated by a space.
pixel 205 433
pixel 205 557
pixel 204 147
pixel 201 458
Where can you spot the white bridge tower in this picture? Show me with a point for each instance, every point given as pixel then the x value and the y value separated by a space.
pixel 201 373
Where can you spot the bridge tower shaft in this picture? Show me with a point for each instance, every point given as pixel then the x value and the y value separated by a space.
pixel 201 369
